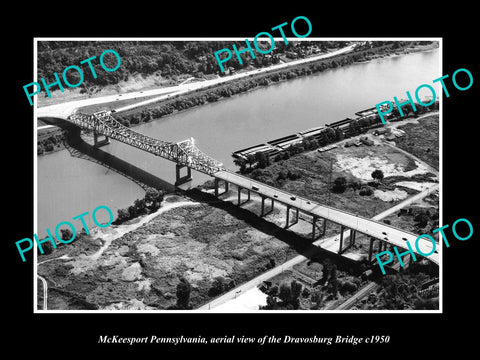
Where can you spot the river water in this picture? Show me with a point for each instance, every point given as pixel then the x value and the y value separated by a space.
pixel 69 186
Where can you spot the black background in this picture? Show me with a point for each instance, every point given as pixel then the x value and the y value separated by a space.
pixel 62 335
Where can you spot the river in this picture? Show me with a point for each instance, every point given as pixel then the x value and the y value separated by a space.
pixel 68 186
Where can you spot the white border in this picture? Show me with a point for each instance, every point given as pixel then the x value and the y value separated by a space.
pixel 311 312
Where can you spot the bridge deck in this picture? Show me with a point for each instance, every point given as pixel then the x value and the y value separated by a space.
pixel 363 225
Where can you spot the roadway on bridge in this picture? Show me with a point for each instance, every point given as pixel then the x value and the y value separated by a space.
pixel 329 243
pixel 369 227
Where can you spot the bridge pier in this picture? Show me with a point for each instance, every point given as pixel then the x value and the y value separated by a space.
pixel 97 143
pixel 341 239
pixel 351 240
pixel 179 179
pixel 287 225
pixel 314 225
pixel 382 246
pixel 353 233
pixel 217 182
pixel 370 249
pixel 240 194
pixel 263 213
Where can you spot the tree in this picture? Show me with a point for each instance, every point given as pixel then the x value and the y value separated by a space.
pixel 139 205
pixel 240 162
pixel 262 159
pixel 218 286
pixel 296 290
pixel 377 175
pixel 281 175
pixel 317 298
pixel 366 191
pixel 273 290
pixel 271 303
pixel 421 219
pixel 250 159
pixel 326 271
pixel 333 285
pixel 285 293
pixel 153 198
pixel 47 248
pixel 123 215
pixel 339 184
pixel 183 293
pixel 333 272
pixel 66 234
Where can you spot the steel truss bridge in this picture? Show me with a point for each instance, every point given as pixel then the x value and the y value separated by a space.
pixel 184 153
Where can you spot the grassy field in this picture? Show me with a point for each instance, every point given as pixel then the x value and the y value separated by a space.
pixel 422 140
pixel 355 164
pixel 140 270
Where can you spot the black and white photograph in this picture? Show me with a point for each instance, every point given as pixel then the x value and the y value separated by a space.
pixel 237 182
pixel 272 185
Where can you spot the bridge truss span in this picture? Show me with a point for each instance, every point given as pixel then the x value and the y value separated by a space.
pixel 183 153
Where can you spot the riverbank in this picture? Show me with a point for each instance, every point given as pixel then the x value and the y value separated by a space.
pixel 188 101
pixel 174 105
pixel 138 265
pixel 215 245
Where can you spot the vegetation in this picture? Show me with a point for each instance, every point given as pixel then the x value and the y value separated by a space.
pixel 377 175
pixel 47 248
pixel 284 298
pixel 422 139
pixel 220 285
pixel 170 59
pixel 150 203
pixel 49 143
pixel 399 291
pixel 339 185
pixel 201 97
pixel 183 294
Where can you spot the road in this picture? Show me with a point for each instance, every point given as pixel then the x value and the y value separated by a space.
pixel 325 244
pixel 369 227
pixel 65 109
pixel 359 295
pixel 45 292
